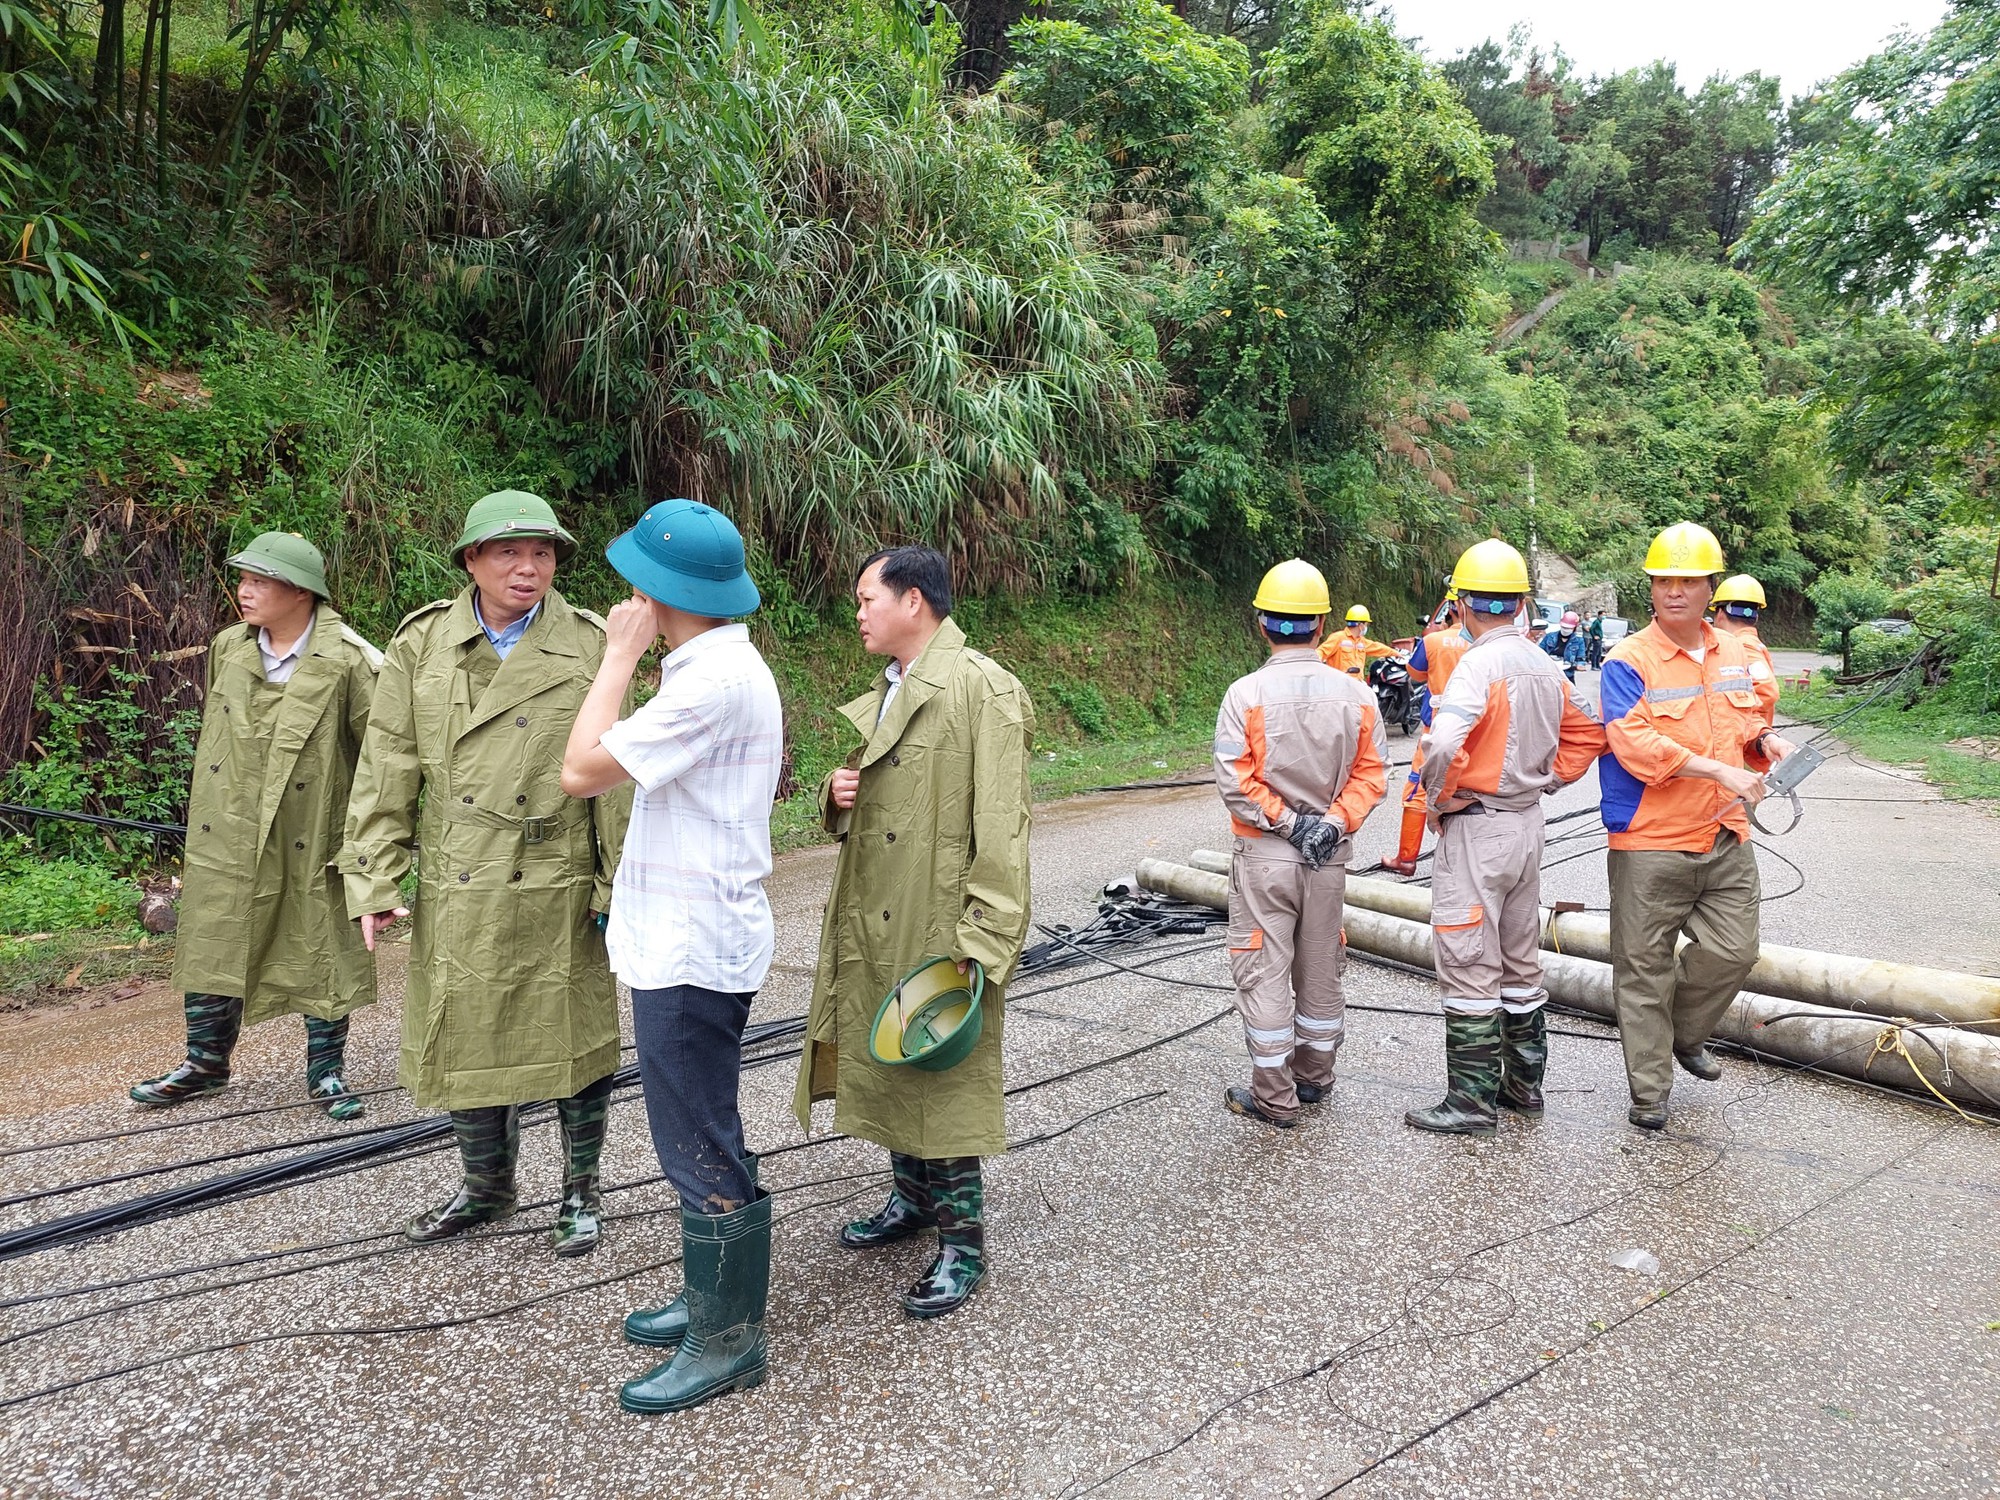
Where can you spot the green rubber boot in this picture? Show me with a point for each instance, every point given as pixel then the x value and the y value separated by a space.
pixel 1524 1056
pixel 664 1327
pixel 583 1117
pixel 907 1211
pixel 1472 1079
pixel 489 1141
pixel 958 1201
pixel 326 1059
pixel 728 1263
pixel 214 1022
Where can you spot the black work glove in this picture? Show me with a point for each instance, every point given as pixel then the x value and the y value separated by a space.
pixel 1314 837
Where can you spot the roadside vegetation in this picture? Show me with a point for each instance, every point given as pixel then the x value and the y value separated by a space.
pixel 1117 319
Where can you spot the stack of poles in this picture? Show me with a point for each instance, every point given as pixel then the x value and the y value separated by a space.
pixel 1820 1010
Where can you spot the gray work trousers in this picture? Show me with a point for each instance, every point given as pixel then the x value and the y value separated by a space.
pixel 1285 954
pixel 1668 1004
pixel 1486 913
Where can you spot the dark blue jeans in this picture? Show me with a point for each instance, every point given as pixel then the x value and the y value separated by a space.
pixel 690 1057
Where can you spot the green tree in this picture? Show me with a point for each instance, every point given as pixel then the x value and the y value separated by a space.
pixel 1398 165
pixel 1519 114
pixel 1891 214
pixel 1843 601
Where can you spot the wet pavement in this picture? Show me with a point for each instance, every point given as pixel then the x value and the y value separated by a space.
pixel 1182 1303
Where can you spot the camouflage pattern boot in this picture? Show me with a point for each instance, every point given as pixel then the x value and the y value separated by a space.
pixel 728 1263
pixel 663 1327
pixel 1524 1055
pixel 583 1117
pixel 907 1211
pixel 1472 1079
pixel 958 1202
pixel 489 1140
pixel 326 1057
pixel 214 1022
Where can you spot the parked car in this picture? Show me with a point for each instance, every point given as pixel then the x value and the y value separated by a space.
pixel 1889 626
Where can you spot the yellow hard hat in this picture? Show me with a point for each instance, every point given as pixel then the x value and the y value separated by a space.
pixel 1685 550
pixel 1491 567
pixel 1742 589
pixel 1359 612
pixel 1294 587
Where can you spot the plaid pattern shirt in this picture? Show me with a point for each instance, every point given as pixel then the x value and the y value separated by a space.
pixel 688 903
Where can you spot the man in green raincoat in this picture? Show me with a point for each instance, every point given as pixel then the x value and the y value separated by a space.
pixel 263 926
pixel 932 817
pixel 510 996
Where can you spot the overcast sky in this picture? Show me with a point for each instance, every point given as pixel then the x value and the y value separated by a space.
pixel 1801 41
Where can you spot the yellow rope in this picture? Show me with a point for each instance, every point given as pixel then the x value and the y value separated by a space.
pixel 1890 1043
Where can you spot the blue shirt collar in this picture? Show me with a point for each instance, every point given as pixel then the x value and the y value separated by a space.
pixel 507 639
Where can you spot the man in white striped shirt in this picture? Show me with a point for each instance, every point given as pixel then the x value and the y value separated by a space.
pixel 690 926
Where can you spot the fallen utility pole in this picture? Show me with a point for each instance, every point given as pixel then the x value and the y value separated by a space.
pixel 1838 980
pixel 1960 1065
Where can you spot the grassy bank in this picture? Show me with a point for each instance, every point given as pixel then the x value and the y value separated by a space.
pixel 1957 752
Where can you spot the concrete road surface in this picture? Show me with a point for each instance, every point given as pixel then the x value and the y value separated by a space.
pixel 1182 1303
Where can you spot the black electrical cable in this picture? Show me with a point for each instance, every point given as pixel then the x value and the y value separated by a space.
pixel 170 830
pixel 482 1315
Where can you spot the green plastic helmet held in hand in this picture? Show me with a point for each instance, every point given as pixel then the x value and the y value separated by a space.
pixel 511 513
pixel 285 556
pixel 932 1018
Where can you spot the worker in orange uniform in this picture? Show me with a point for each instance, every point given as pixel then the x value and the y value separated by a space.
pixel 1299 760
pixel 1351 650
pixel 1690 736
pixel 1430 665
pixel 1509 730
pixel 1737 604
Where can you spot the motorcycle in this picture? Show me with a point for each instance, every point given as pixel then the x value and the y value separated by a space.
pixel 1397 698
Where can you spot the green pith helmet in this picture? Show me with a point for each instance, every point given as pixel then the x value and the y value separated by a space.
pixel 932 1018
pixel 285 556
pixel 507 513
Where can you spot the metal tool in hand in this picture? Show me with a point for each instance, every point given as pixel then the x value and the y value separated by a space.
pixel 1783 780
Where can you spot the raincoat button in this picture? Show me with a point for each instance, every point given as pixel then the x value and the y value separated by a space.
pixel 463 876
pixel 204 828
pixel 521 723
pixel 978 913
pixel 302 786
pixel 520 801
pixel 885 916
pixel 895 760
pixel 466 800
pixel 300 844
pixel 216 767
pixel 359 859
pixel 515 876
pixel 889 838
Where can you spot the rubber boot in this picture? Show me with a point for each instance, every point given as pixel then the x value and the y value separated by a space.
pixel 958 1202
pixel 1524 1056
pixel 1410 842
pixel 214 1022
pixel 907 1211
pixel 663 1327
pixel 326 1058
pixel 728 1262
pixel 489 1141
pixel 583 1117
pixel 1472 1079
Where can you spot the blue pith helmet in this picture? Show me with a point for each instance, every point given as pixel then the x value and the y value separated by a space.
pixel 688 555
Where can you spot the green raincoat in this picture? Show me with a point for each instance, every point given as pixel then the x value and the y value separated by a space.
pixel 933 862
pixel 510 995
pixel 261 915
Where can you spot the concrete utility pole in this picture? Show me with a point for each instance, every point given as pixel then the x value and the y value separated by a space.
pixel 1534 547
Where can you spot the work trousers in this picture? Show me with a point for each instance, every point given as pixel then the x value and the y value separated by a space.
pixel 1486 914
pixel 1285 955
pixel 690 1043
pixel 1669 1004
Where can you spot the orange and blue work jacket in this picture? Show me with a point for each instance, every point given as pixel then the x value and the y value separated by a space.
pixel 1430 665
pixel 1509 729
pixel 1296 736
pixel 1350 653
pixel 1762 668
pixel 1661 709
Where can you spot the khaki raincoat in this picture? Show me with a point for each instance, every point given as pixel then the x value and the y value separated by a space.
pixel 261 915
pixel 933 862
pixel 510 995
